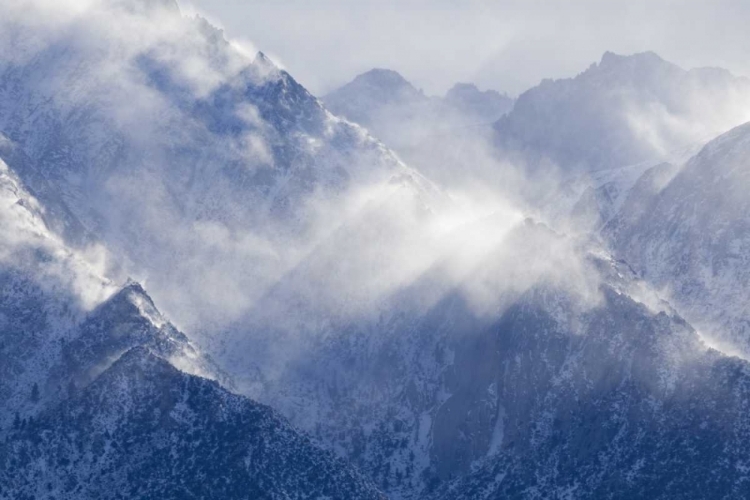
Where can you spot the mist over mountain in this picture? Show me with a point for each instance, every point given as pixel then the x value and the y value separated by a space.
pixel 440 136
pixel 485 105
pixel 690 238
pixel 178 151
pixel 86 365
pixel 623 110
pixel 214 284
pixel 374 98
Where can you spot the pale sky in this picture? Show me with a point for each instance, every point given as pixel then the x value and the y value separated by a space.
pixel 508 45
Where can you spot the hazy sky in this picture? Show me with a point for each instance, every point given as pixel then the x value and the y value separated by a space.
pixel 509 45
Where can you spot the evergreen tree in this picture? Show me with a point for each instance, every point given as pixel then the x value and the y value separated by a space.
pixel 35 393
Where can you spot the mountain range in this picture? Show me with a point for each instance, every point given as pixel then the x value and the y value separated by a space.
pixel 438 135
pixel 215 285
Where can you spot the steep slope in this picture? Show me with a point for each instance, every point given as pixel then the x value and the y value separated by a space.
pixel 500 366
pixel 632 408
pixel 193 163
pixel 61 322
pixel 143 429
pixel 689 236
pixel 93 404
pixel 622 111
pixel 46 291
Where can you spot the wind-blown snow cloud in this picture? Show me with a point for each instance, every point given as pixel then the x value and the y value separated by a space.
pixel 27 246
pixel 171 155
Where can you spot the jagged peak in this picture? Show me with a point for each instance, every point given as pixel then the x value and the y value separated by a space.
pixel 262 60
pixel 384 78
pixel 264 67
pixel 209 30
pixel 132 286
pixel 464 87
pixel 133 296
pixel 462 90
pixel 650 58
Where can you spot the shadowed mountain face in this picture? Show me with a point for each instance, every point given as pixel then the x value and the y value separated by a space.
pixel 113 409
pixel 621 111
pixel 425 398
pixel 143 429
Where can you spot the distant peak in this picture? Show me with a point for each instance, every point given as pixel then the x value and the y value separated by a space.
pixel 610 59
pixel 383 78
pixel 464 87
pixel 487 105
pixel 264 63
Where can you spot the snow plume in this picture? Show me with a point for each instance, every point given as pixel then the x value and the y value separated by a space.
pixel 144 87
pixel 708 103
pixel 242 205
pixel 623 111
pixel 398 251
pixel 28 247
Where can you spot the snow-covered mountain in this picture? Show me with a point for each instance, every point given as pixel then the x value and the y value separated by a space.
pixel 439 136
pixel 143 429
pixel 688 233
pixel 103 398
pixel 539 350
pixel 622 111
pixel 192 162
pixel 371 96
pixel 446 347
